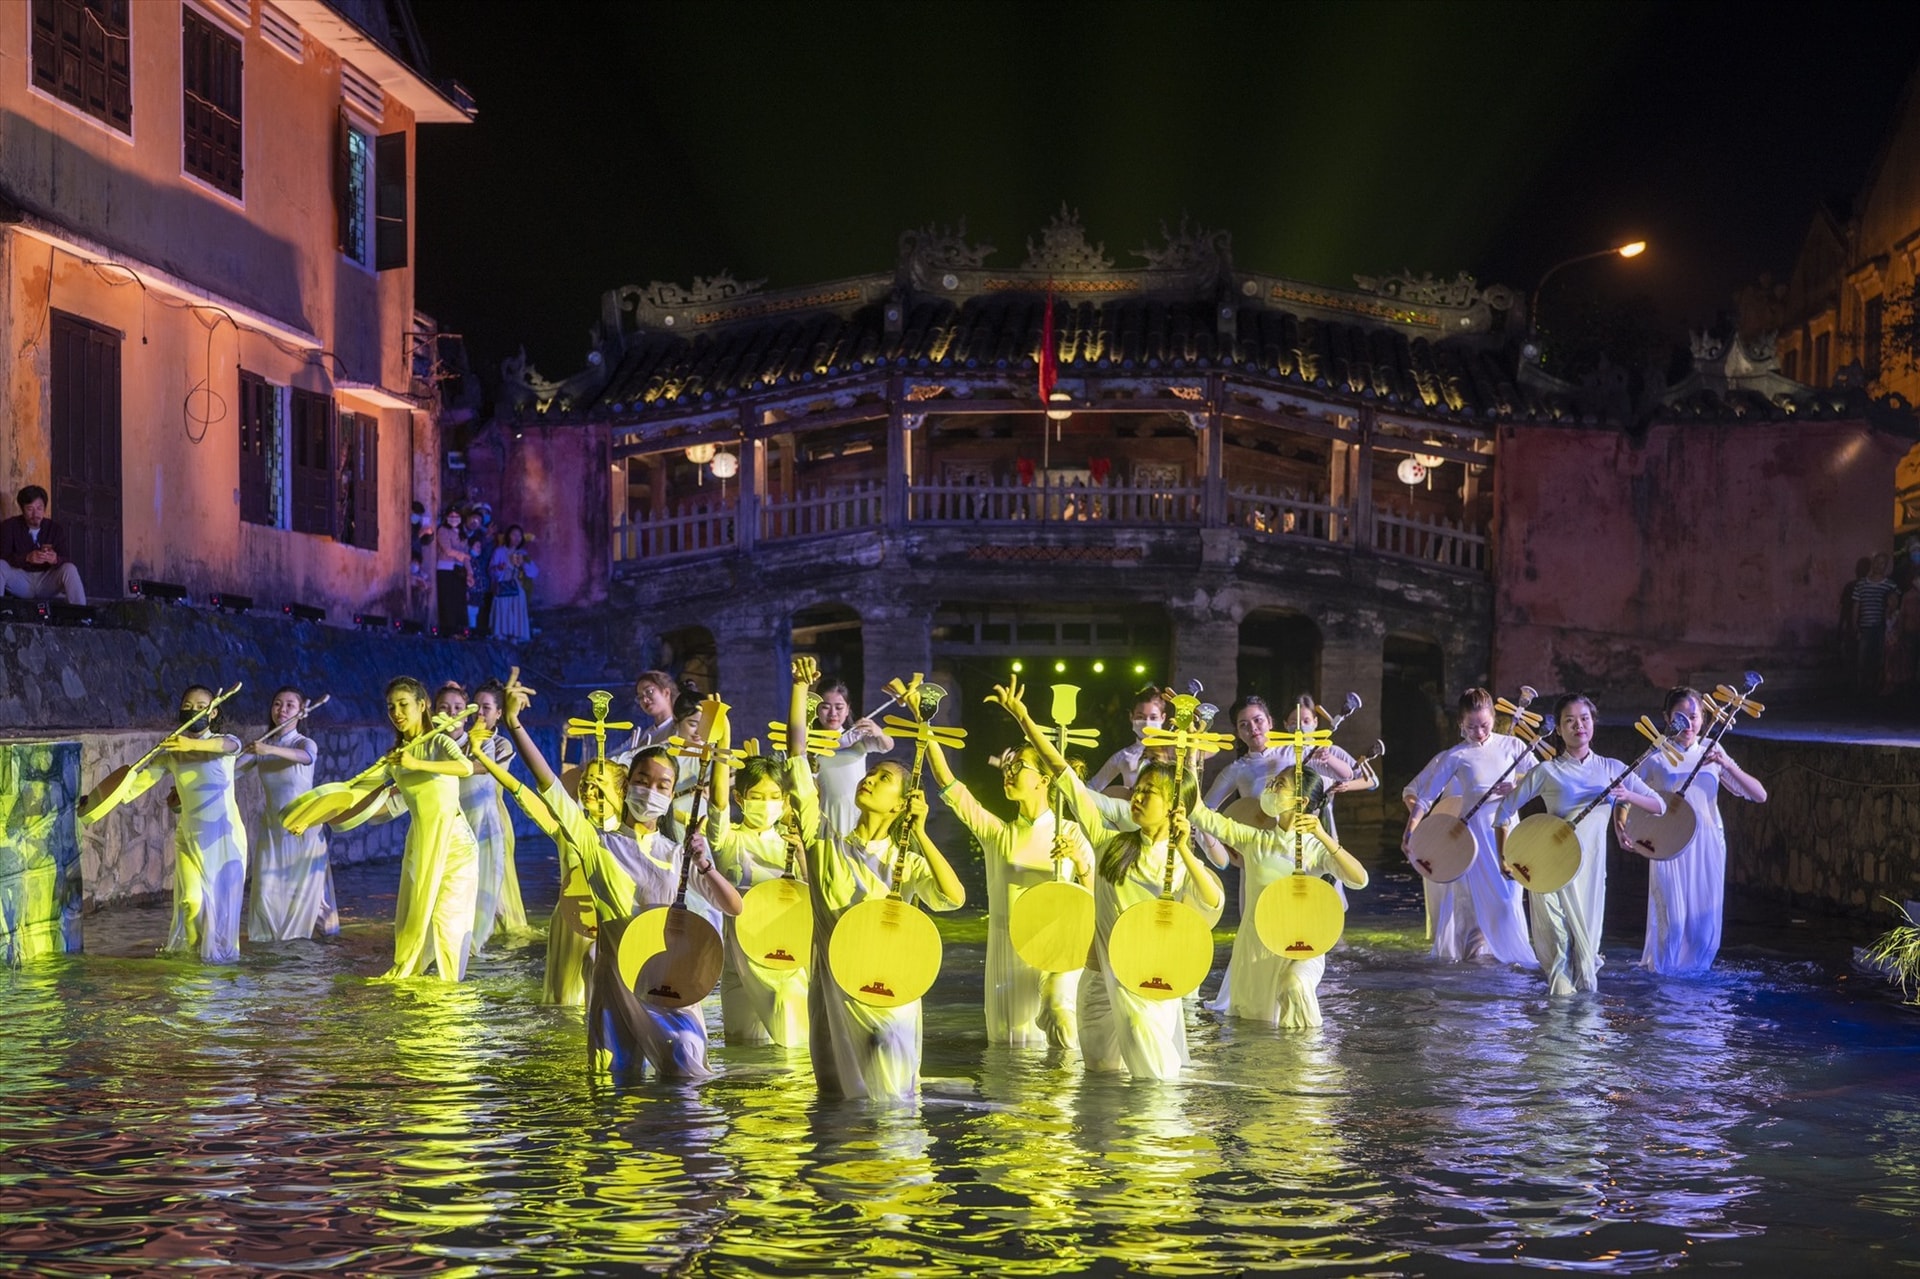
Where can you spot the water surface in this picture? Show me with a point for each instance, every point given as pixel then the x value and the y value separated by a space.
pixel 289 1115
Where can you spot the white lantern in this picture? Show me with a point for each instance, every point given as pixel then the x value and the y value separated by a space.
pixel 1411 471
pixel 1059 406
pixel 700 454
pixel 726 465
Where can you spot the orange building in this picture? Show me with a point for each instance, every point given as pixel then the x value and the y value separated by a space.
pixel 206 252
pixel 1854 289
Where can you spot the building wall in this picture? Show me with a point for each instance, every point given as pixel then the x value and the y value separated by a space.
pixel 273 253
pixel 1625 565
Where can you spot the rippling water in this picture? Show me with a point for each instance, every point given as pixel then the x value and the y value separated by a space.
pixel 289 1115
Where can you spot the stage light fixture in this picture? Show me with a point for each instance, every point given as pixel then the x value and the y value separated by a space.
pixel 1018 666
pixel 169 592
pixel 1139 668
pixel 1099 668
pixel 1059 668
pixel 409 628
pixel 17 610
pixel 61 613
pixel 370 621
pixel 228 602
pixel 303 612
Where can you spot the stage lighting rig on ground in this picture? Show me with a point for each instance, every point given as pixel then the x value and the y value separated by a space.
pixel 409 628
pixel 165 592
pixel 303 612
pixel 229 602
pixel 61 613
pixel 371 621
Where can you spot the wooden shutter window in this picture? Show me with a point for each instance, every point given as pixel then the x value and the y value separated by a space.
pixel 256 418
pixel 210 66
pixel 390 201
pixel 313 466
pixel 366 482
pixel 82 55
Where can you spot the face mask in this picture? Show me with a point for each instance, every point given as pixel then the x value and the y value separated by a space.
pixel 649 805
pixel 1140 727
pixel 759 814
pixel 1271 804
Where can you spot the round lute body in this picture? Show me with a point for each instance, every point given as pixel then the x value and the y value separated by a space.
pixel 1051 926
pixel 1442 846
pixel 1299 917
pixel 1160 949
pixel 775 927
pixel 333 802
pixel 671 957
pixel 884 952
pixel 1665 836
pixel 1542 853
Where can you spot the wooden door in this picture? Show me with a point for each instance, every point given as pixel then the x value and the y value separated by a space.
pixel 85 404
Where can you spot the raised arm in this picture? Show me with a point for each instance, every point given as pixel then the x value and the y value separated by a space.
pixel 805 671
pixel 1007 697
pixel 952 894
pixel 515 701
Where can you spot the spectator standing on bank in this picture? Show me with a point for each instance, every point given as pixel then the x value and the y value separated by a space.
pixel 452 573
pixel 512 571
pixel 1874 599
pixel 33 553
pixel 479 539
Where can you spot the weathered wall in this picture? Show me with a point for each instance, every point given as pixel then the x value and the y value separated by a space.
pixel 1625 564
pixel 1840 830
pixel 553 482
pixel 40 884
pixel 129 671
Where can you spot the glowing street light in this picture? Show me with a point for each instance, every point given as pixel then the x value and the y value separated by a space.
pixel 1531 349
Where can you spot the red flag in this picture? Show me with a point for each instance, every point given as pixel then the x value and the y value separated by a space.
pixel 1049 365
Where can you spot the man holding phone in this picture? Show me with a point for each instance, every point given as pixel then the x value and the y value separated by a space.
pixel 31 553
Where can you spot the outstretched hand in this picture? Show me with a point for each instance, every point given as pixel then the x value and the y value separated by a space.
pixel 516 699
pixel 1007 697
pixel 805 670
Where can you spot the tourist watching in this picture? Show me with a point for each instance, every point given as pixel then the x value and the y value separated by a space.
pixel 512 571
pixel 452 574
pixel 1873 602
pixel 33 550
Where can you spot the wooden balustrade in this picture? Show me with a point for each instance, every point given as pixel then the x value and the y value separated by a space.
pixel 1109 504
pixel 1283 513
pixel 821 512
pixel 1431 541
pixel 697 528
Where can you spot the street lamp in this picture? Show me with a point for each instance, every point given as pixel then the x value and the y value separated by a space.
pixel 1531 349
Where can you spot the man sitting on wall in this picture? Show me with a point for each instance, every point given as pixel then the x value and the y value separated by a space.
pixel 31 553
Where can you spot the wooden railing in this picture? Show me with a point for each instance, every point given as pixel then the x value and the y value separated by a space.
pixel 697 528
pixel 1431 541
pixel 819 512
pixel 1052 504
pixel 1265 512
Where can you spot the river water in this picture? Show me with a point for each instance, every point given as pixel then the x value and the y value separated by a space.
pixel 287 1115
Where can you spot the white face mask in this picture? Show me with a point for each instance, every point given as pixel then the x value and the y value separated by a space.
pixel 1140 727
pixel 649 805
pixel 760 814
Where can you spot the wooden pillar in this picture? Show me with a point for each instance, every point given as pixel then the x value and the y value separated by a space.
pixel 1213 510
pixel 753 481
pixel 899 440
pixel 1362 481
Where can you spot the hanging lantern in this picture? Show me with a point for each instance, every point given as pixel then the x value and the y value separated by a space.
pixel 726 465
pixel 1429 461
pixel 701 454
pixel 1411 471
pixel 1059 406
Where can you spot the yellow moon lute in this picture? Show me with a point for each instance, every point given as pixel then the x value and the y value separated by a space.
pixel 1542 853
pixel 1051 926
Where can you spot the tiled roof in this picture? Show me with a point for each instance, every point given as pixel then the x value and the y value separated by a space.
pixel 664 372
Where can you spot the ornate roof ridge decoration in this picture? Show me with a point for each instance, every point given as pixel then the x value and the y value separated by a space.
pixel 1064 247
pixel 706 289
pixel 1429 290
pixel 1196 250
pixel 943 248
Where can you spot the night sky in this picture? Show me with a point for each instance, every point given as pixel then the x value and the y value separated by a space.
pixel 619 143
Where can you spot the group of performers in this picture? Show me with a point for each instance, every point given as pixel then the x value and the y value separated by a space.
pixel 676 819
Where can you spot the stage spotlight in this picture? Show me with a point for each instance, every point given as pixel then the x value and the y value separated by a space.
pixel 1059 668
pixel 148 590
pixel 304 612
pixel 228 602
pixel 409 628
pixel 61 613
pixel 370 621
pixel 1018 666
pixel 1099 668
pixel 15 610
pixel 1139 668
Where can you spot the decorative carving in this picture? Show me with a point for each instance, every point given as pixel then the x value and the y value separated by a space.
pixel 925 391
pixel 1707 346
pixel 1188 250
pixel 705 289
pixel 1156 475
pixel 944 248
pixel 522 382
pixel 1064 247
pixel 1428 290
